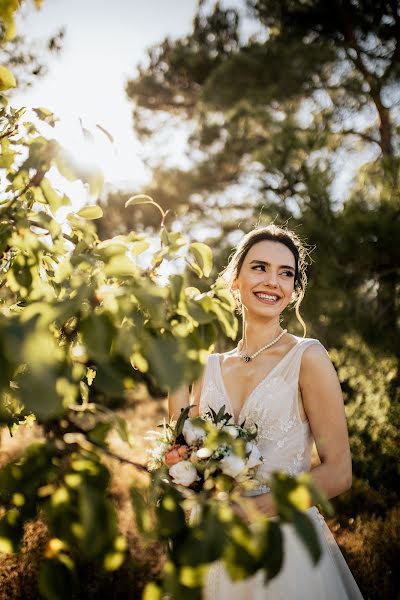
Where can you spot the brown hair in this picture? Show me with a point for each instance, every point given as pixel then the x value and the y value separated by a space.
pixel 274 234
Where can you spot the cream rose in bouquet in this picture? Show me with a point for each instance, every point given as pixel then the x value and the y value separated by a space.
pixel 208 453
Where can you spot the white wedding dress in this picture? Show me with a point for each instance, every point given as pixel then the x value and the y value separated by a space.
pixel 285 441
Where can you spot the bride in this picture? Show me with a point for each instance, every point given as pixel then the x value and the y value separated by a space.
pixel 288 386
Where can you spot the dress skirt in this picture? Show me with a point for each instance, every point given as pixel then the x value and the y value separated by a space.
pixel 299 578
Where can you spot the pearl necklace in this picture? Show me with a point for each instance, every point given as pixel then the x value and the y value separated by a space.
pixel 249 357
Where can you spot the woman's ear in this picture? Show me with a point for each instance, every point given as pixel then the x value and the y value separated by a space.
pixel 234 285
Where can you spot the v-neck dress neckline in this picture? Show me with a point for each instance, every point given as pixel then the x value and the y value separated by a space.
pixel 257 386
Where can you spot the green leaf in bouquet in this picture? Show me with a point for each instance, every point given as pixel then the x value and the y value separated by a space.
pixel 181 420
pixel 214 415
pixel 221 413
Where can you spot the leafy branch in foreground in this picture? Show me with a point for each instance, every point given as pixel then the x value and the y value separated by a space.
pixel 83 323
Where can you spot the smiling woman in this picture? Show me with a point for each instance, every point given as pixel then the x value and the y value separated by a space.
pixel 279 281
pixel 287 387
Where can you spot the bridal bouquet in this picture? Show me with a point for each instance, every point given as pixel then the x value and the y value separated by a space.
pixel 207 453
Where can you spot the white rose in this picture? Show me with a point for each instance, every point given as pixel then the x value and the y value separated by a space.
pixel 232 430
pixel 192 433
pixel 255 457
pixel 203 453
pixel 232 465
pixel 183 473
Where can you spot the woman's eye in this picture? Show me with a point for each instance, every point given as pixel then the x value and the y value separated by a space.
pixel 262 268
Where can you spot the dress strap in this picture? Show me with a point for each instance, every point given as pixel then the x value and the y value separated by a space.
pixel 291 367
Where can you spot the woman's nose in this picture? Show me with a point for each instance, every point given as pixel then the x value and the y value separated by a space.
pixel 271 279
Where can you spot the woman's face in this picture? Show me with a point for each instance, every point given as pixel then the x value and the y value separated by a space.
pixel 266 279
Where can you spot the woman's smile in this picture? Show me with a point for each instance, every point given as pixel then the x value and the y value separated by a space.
pixel 266 277
pixel 267 298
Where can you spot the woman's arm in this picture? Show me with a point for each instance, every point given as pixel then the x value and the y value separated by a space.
pixel 182 397
pixel 323 404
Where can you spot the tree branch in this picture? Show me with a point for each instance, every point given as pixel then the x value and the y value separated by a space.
pixel 385 126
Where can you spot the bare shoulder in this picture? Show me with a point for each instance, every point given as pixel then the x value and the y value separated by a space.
pixel 315 359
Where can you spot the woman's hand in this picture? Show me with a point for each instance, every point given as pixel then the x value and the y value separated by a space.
pixel 265 504
pixel 249 509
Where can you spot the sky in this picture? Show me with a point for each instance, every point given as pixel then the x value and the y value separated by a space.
pixel 104 42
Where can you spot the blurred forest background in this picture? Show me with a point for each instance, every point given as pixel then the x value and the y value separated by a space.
pixel 296 122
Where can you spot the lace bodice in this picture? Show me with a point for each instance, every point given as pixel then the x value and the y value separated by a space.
pixel 283 439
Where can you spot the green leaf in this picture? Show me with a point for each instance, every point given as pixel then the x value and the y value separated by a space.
pixel 46 115
pixel 108 248
pixel 184 414
pixel 273 552
pixel 96 182
pixel 204 543
pixel 95 508
pixel 151 592
pixel 57 578
pixel 226 317
pixel 120 266
pixel 170 516
pixel 90 212
pixel 139 199
pixel 99 432
pixel 123 431
pixel 139 247
pixel 203 257
pixel 141 510
pixel 166 360
pixel 53 198
pixel 305 529
pixel 7 79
